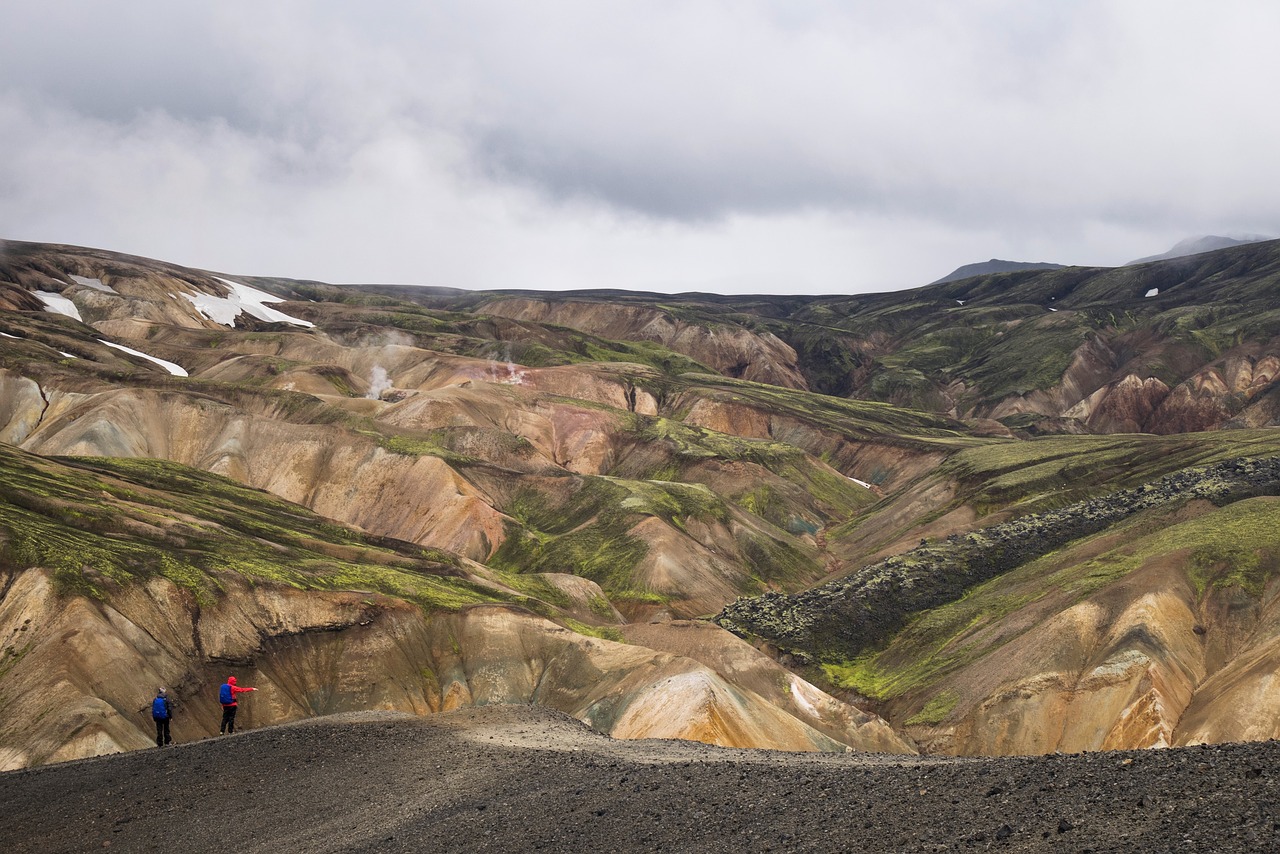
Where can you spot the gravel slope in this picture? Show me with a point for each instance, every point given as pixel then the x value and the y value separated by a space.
pixel 522 778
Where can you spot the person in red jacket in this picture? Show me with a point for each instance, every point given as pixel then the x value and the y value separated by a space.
pixel 227 696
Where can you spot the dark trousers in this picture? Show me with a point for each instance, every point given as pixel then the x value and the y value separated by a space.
pixel 162 732
pixel 228 719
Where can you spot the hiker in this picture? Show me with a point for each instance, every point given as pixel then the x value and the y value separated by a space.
pixel 161 712
pixel 227 696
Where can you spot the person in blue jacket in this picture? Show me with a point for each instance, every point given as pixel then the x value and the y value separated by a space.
pixel 161 712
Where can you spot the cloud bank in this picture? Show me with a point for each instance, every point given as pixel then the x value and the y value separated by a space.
pixel 788 147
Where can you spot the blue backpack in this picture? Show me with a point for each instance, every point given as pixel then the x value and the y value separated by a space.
pixel 225 697
pixel 160 708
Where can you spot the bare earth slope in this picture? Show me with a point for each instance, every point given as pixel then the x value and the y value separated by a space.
pixel 118 577
pixel 519 778
pixel 415 500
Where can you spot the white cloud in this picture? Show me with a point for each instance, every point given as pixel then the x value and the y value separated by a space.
pixel 800 146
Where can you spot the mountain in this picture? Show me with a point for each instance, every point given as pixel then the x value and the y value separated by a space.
pixel 1135 617
pixel 1169 347
pixel 950 519
pixel 995 265
pixel 1196 245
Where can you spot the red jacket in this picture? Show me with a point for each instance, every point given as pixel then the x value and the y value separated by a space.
pixel 235 689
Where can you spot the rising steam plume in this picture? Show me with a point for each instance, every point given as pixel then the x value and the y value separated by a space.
pixel 378 382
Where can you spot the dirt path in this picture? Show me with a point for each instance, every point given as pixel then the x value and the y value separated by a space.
pixel 519 778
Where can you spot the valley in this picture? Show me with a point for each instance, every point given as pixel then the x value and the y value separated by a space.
pixel 1019 513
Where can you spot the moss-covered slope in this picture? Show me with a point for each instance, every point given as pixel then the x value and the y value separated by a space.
pixel 101 525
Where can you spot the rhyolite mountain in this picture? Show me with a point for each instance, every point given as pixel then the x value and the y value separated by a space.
pixel 1017 513
pixel 1170 347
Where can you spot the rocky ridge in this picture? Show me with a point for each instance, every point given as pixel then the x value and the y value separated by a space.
pixel 843 617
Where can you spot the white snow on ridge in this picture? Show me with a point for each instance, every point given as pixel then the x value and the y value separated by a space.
pixel 244 299
pixel 176 370
pixel 14 337
pixel 217 309
pixel 58 304
pixel 96 284
pixel 861 483
pixel 1153 292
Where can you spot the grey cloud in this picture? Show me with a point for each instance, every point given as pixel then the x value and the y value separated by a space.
pixel 113 61
pixel 647 144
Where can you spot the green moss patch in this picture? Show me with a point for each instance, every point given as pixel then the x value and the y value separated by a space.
pixel 586 534
pixel 1234 548
pixel 101 524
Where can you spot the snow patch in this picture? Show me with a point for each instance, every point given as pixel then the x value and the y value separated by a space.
pixel 1153 292
pixel 58 304
pixel 68 355
pixel 96 284
pixel 14 337
pixel 243 299
pixel 960 302
pixel 1051 308
pixel 176 370
pixel 861 483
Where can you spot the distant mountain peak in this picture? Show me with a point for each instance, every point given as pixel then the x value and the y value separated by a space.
pixel 995 265
pixel 1205 243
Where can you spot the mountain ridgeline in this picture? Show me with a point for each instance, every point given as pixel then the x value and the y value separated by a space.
pixel 995 265
pixel 1169 347
pixel 1014 513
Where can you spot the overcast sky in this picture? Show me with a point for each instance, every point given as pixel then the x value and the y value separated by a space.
pixel 796 146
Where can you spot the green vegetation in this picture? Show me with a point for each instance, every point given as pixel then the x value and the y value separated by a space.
pixel 609 633
pixel 936 710
pixel 957 348
pixel 939 594
pixel 693 443
pixel 424 446
pixel 1031 356
pixel 850 417
pixel 102 524
pixel 585 534
pixel 1042 474
pixel 1234 548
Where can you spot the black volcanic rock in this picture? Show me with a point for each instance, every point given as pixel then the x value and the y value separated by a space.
pixel 519 778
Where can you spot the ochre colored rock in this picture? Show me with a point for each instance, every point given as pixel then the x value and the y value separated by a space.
pixel 82 673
